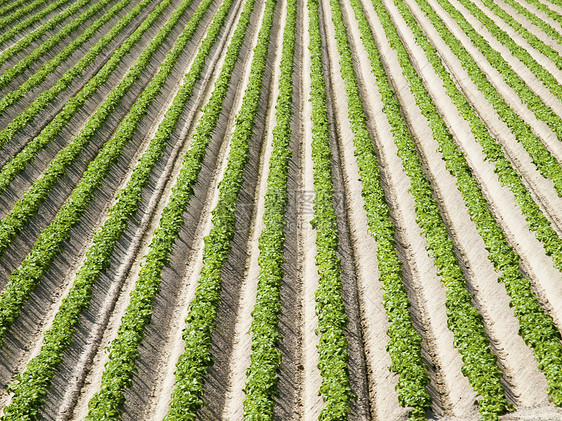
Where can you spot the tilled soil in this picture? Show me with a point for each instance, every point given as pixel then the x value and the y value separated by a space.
pixel 79 376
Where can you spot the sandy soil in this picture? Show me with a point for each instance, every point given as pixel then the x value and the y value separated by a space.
pixel 524 382
pixel 242 339
pixel 514 63
pixel 360 409
pixel 38 313
pixel 453 393
pixel 535 30
pixel 539 128
pixel 311 379
pixel 177 316
pixel 299 377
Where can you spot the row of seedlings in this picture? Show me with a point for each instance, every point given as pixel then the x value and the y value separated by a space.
pixel 36 35
pixel 542 158
pixel 187 396
pixel 123 350
pixel 532 39
pixel 548 80
pixel 265 359
pixel 536 20
pixel 17 25
pixel 24 279
pixel 536 327
pixel 404 344
pixel 333 354
pixel 32 385
pixel 26 207
pixel 10 7
pixel 519 128
pixel 464 320
pixel 12 72
pixel 504 38
pixel 45 98
pixel 550 12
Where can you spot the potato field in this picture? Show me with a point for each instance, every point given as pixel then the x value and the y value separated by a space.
pixel 281 210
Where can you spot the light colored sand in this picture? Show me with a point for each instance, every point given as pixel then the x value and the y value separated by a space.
pixel 521 69
pixel 311 379
pixel 535 30
pixel 382 389
pixel 242 341
pixel 495 78
pixel 93 379
pixel 526 382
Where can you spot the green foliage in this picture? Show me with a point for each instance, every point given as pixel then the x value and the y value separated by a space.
pixel 18 163
pixel 332 347
pixel 187 397
pixel 532 318
pixel 550 12
pixel 10 7
pixel 261 376
pixel 548 166
pixel 32 385
pixel 533 101
pixel 123 350
pixel 10 74
pixel 18 25
pixel 463 319
pixel 47 97
pixel 522 131
pixel 404 345
pixel 536 20
pixel 49 242
pixel 39 32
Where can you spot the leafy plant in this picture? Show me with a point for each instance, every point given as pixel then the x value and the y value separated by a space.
pixel 404 344
pixel 50 241
pixel 532 318
pixel 261 376
pixel 187 396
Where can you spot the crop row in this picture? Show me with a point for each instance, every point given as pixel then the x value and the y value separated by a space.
pixel 47 97
pixel 187 396
pixel 3 2
pixel 544 161
pixel 40 370
pixel 28 205
pixel 48 26
pixel 265 359
pixel 536 328
pixel 404 344
pixel 550 12
pixel 534 103
pixel 50 241
pixel 10 7
pixel 536 20
pixel 521 130
pixel 18 163
pixel 16 28
pixel 505 39
pixel 333 355
pixel 123 350
pixel 26 10
pixel 12 72
pixel 463 319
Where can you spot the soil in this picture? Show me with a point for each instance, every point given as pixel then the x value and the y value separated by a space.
pixel 78 378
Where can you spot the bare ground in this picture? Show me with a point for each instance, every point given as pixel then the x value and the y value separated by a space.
pixel 299 377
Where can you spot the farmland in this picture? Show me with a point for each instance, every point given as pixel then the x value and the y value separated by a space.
pixel 281 209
